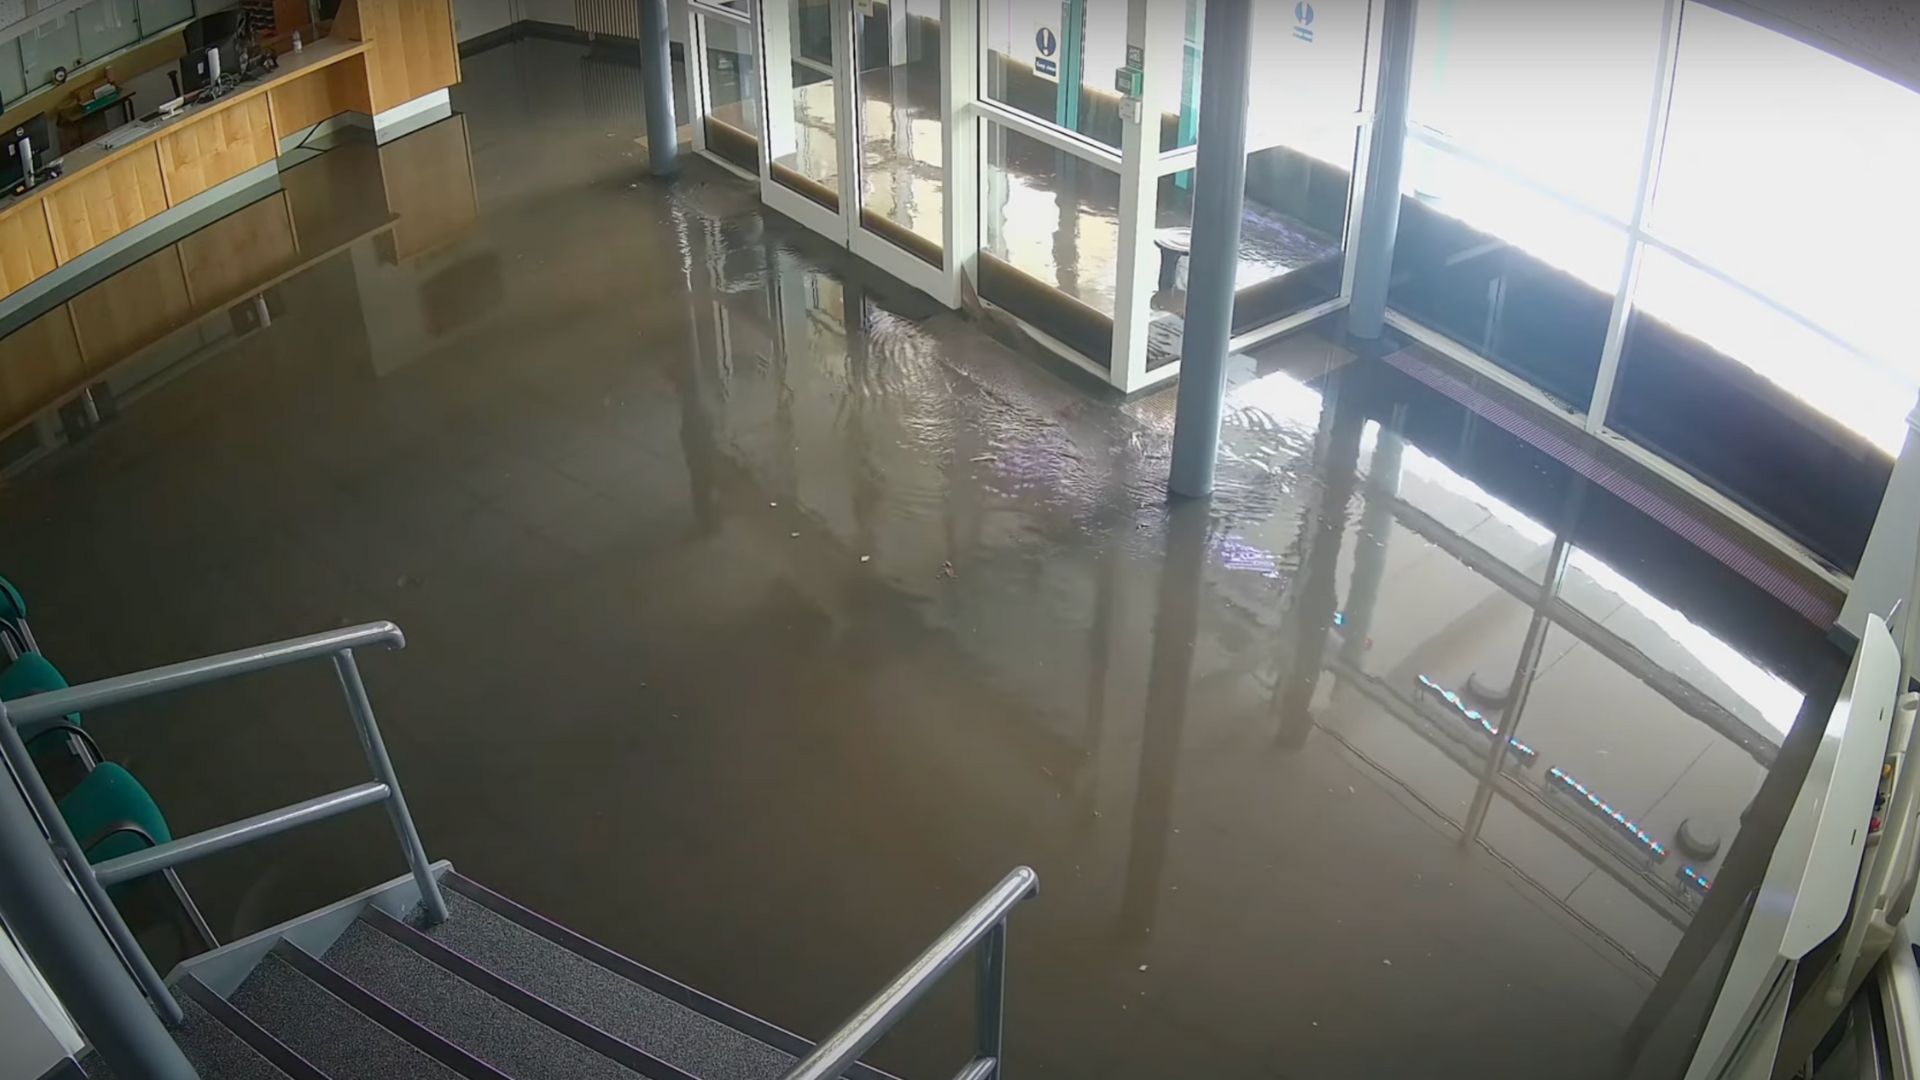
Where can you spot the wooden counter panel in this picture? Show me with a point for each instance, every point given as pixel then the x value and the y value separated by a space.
pixel 87 211
pixel 326 93
pixel 229 258
pixel 414 50
pixel 26 248
pixel 429 183
pixel 39 363
pixel 206 153
pixel 132 309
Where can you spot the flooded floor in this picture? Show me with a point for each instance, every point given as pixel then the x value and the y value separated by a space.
pixel 761 615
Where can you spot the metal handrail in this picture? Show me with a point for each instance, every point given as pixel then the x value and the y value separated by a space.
pixel 165 680
pixel 91 881
pixel 985 921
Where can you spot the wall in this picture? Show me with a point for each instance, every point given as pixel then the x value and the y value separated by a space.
pixel 471 18
pixel 549 11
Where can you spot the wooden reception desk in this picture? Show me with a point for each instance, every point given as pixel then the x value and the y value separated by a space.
pixel 378 57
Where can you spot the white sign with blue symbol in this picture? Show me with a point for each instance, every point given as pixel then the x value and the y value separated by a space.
pixel 1303 21
pixel 1046 51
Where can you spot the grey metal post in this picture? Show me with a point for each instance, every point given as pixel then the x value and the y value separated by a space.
pixel 376 748
pixel 63 939
pixel 1380 215
pixel 68 851
pixel 1220 182
pixel 990 1017
pixel 656 77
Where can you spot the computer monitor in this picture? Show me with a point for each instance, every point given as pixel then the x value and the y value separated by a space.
pixel 40 134
pixel 221 30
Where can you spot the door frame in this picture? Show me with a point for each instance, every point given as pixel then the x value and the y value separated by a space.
pixel 844 226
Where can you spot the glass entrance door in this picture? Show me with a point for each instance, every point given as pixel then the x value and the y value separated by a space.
pixel 855 133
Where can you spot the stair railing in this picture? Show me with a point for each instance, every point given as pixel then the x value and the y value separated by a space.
pixel 58 929
pixel 984 925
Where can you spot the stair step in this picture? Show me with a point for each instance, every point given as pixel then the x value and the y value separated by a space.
pixel 340 1040
pixel 466 1015
pixel 635 1004
pixel 215 1051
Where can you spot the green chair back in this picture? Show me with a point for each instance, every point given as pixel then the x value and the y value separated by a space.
pixel 12 605
pixel 110 796
pixel 29 675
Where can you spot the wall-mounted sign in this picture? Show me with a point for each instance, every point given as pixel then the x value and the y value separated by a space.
pixel 1046 51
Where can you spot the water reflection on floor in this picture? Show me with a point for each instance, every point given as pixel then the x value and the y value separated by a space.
pixel 760 617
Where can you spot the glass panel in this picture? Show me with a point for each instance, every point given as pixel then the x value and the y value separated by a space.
pixel 1175 32
pixel 1052 237
pixel 1292 237
pixel 902 197
pixel 1768 132
pixel 1517 277
pixel 733 92
pixel 106 25
pixel 1798 429
pixel 13 82
pixel 1311 58
pixel 157 15
pixel 1557 91
pixel 812 28
pixel 803 98
pixel 50 45
pixel 1055 59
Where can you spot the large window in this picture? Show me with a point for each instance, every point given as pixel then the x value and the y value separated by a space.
pixel 29 58
pixel 1054 60
pixel 1528 128
pixel 1725 291
pixel 1765 352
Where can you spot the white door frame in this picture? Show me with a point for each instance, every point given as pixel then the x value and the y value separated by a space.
pixel 843 226
pixel 690 17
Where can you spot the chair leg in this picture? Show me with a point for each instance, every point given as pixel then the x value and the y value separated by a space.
pixel 192 909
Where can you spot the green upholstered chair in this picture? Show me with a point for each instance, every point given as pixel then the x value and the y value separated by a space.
pixel 111 814
pixel 16 637
pixel 35 674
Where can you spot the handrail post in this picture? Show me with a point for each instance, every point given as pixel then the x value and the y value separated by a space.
pixel 65 943
pixel 67 850
pixel 376 750
pixel 990 1016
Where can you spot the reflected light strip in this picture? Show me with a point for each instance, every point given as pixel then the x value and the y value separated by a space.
pixel 1521 750
pixel 1614 818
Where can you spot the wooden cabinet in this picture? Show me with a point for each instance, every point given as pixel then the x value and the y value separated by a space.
pixel 39 363
pixel 88 210
pixel 132 309
pixel 301 103
pixel 414 50
pixel 429 184
pixel 213 149
pixel 26 247
pixel 231 257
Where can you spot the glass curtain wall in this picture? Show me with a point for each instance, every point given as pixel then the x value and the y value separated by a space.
pixel 727 88
pixel 1059 248
pixel 1678 226
pixel 1309 87
pixel 29 59
pixel 897 51
pixel 1051 169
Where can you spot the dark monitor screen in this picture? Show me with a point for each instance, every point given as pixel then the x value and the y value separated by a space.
pixel 213 30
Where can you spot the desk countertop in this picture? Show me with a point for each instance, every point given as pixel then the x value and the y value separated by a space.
pixel 292 65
